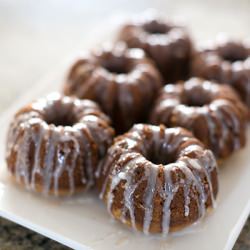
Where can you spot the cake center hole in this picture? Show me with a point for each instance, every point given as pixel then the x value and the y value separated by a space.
pixel 61 118
pixel 233 52
pixel 196 98
pixel 196 102
pixel 62 121
pixel 117 65
pixel 155 27
pixel 116 69
pixel 234 57
pixel 160 154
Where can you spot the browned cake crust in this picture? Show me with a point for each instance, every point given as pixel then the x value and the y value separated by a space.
pixel 158 179
pixel 168 44
pixel 213 112
pixel 226 61
pixel 55 143
pixel 123 81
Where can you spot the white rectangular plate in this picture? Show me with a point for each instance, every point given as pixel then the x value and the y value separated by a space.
pixel 82 222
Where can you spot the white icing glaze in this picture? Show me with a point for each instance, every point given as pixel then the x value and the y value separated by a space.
pixel 168 193
pixel 205 111
pixel 151 173
pixel 225 133
pixel 229 122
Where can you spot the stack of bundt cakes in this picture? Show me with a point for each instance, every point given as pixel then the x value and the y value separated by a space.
pixel 176 110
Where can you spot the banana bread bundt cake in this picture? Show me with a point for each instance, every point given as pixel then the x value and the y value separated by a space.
pixel 123 81
pixel 226 61
pixel 55 143
pixel 167 43
pixel 156 179
pixel 213 112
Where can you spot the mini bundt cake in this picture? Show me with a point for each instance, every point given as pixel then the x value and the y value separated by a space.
pixel 123 81
pixel 55 143
pixel 226 61
pixel 168 44
pixel 156 179
pixel 213 112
